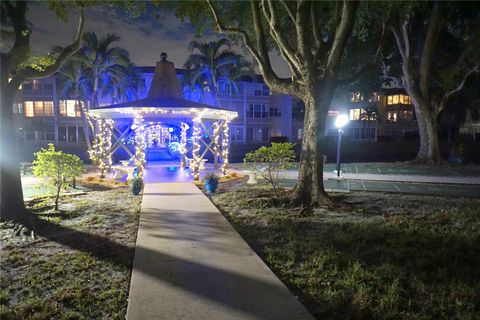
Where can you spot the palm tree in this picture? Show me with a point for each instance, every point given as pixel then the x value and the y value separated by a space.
pixel 100 59
pixel 230 74
pixel 122 83
pixel 205 63
pixel 75 82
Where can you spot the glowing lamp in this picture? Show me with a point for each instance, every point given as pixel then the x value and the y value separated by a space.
pixel 341 121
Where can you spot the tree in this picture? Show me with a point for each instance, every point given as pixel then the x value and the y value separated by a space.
pixel 314 38
pixel 74 82
pixel 430 75
pixel 207 65
pixel 101 59
pixel 18 65
pixel 122 83
pixel 56 167
pixel 230 75
pixel 269 161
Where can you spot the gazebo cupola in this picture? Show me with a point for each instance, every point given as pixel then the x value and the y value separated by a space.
pixel 202 128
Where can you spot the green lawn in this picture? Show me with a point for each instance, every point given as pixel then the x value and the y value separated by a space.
pixel 376 256
pixel 79 263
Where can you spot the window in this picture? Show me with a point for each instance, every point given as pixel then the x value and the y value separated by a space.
pixel 29 109
pixel 38 108
pixel 36 85
pixel 275 113
pixel 49 135
pixel 249 134
pixel 69 108
pixel 257 111
pixel 236 134
pixel 355 114
pixel 17 108
pixel 72 134
pixel 62 133
pixel 356 97
pixel 275 133
pixel 399 99
pixel 405 115
pixel 392 116
pixel 48 108
pixel 264 91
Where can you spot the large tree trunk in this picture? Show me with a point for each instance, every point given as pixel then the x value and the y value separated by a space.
pixel 11 194
pixel 309 191
pixel 428 150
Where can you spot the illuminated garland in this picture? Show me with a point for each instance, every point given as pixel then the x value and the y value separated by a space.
pixel 140 145
pixel 225 146
pixel 107 152
pixel 196 147
pixel 183 143
pixel 216 130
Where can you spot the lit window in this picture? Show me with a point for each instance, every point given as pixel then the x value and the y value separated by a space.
pixel 29 109
pixel 356 97
pixel 396 99
pixel 38 108
pixel 355 114
pixel 48 108
pixel 392 116
pixel 69 108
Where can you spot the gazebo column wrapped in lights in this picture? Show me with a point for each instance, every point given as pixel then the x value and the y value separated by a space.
pixel 207 125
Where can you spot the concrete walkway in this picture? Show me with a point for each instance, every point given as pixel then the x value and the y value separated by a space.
pixel 191 264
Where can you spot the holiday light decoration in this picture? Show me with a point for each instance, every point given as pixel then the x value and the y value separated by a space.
pixel 216 131
pixel 196 136
pixel 183 144
pixel 140 145
pixel 225 146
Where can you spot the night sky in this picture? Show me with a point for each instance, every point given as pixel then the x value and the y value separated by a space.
pixel 144 38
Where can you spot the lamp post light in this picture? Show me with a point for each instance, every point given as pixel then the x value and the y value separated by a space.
pixel 340 122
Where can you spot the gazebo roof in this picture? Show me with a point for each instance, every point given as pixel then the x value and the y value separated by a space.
pixel 165 100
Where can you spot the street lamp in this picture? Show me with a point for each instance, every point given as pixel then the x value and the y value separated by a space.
pixel 340 122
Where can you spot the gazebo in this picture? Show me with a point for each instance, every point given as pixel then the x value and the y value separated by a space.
pixel 163 117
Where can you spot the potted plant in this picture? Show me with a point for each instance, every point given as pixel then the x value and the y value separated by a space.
pixel 211 182
pixel 137 186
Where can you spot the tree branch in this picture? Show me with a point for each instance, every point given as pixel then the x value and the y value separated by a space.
pixel 341 35
pixel 373 63
pixel 459 87
pixel 260 55
pixel 66 52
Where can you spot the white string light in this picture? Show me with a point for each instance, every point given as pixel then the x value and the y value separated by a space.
pixel 225 147
pixel 196 147
pixel 140 145
pixel 183 144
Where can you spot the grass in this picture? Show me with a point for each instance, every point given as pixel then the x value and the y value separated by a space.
pixel 45 278
pixel 383 256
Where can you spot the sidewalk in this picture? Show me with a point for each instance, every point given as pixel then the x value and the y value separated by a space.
pixel 191 264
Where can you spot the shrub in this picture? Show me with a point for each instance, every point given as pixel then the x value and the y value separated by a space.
pixel 267 162
pixel 56 167
pixel 137 186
